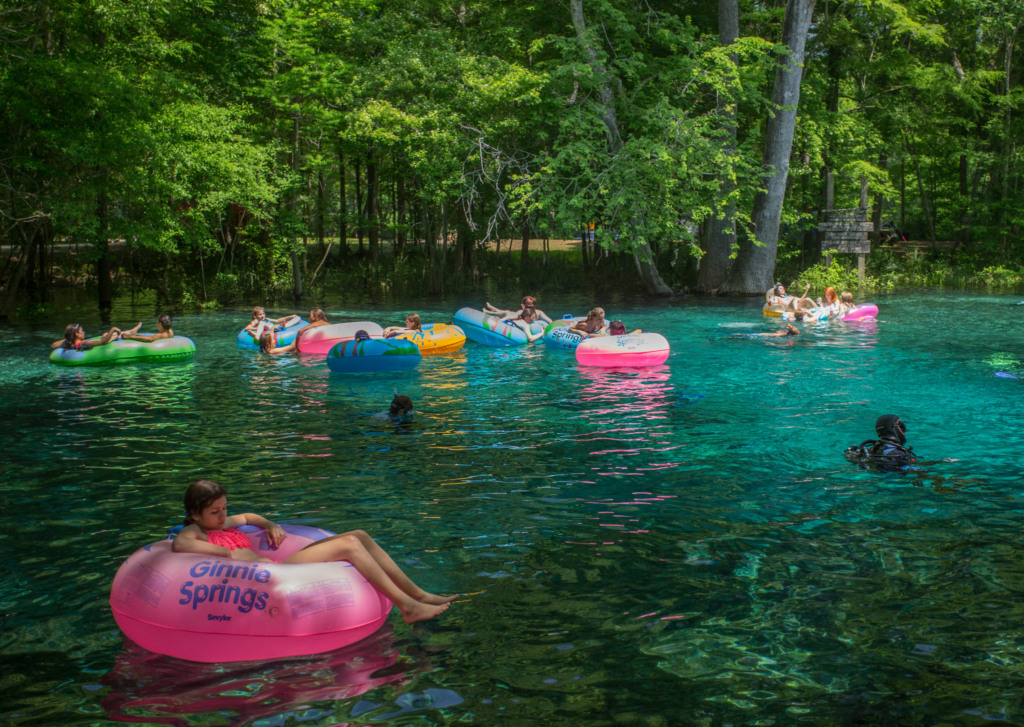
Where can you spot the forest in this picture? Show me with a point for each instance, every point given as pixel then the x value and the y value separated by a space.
pixel 210 151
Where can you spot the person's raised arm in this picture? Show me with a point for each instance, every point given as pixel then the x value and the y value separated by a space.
pixel 544 316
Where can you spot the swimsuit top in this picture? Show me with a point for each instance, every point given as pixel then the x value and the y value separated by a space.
pixel 228 538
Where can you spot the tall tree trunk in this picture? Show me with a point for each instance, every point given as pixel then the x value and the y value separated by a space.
pixel 876 210
pixel 719 232
pixel 296 258
pixel 401 210
pixel 964 236
pixel 359 208
pixel 342 205
pixel 755 267
pixel 373 225
pixel 925 202
pixel 1007 140
pixel 103 272
pixel 321 209
pixel 19 272
pixel 642 255
pixel 524 251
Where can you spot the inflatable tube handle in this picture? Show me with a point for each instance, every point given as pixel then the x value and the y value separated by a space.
pixel 568 317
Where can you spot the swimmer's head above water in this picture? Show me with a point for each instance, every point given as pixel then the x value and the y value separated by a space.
pixel 401 406
pixel 891 427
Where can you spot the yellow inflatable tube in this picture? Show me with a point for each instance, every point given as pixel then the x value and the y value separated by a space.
pixel 436 338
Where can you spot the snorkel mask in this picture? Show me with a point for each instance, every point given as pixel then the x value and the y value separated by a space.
pixel 891 427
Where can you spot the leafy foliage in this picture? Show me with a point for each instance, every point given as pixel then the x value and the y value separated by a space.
pixel 230 145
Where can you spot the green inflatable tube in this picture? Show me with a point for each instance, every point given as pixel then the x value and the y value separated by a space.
pixel 164 350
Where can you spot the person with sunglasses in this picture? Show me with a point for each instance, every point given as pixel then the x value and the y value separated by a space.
pixel 888 453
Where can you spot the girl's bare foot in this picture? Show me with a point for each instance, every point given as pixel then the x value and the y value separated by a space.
pixel 436 600
pixel 424 612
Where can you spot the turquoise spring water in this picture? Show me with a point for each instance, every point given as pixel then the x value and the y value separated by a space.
pixel 678 545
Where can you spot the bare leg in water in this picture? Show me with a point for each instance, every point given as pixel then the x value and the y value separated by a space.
pixel 362 551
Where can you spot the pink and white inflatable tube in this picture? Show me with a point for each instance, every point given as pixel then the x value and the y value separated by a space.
pixel 318 341
pixel 865 312
pixel 631 349
pixel 212 609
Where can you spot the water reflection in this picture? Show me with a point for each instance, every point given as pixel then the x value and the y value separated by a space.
pixel 156 689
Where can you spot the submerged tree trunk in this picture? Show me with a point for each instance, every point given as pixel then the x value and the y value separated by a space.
pixel 642 255
pixel 719 232
pixel 755 266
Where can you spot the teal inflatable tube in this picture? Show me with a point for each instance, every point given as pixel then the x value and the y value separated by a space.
pixel 492 331
pixel 282 336
pixel 164 350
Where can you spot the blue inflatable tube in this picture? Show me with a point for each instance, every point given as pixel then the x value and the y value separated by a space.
pixel 284 336
pixel 374 354
pixel 491 331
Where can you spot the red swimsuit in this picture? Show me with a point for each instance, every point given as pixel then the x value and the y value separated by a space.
pixel 228 538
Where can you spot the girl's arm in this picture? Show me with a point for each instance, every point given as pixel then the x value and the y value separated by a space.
pixel 274 532
pixel 544 316
pixel 187 541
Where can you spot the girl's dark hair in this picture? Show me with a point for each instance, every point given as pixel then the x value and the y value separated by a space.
pixel 266 342
pixel 164 320
pixel 69 334
pixel 401 404
pixel 317 314
pixel 199 495
pixel 414 318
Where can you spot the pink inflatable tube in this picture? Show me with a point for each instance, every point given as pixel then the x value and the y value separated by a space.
pixel 318 341
pixel 632 349
pixel 862 313
pixel 212 609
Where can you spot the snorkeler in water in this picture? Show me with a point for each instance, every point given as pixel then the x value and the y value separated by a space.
pixel 888 453
pixel 791 330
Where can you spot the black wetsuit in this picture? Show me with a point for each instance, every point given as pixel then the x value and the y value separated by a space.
pixel 883 454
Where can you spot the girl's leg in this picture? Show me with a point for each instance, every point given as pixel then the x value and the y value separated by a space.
pixel 388 565
pixel 350 548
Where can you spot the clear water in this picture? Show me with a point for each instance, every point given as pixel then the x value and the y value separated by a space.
pixel 680 545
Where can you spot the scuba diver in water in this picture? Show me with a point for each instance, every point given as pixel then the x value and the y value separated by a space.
pixel 889 452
